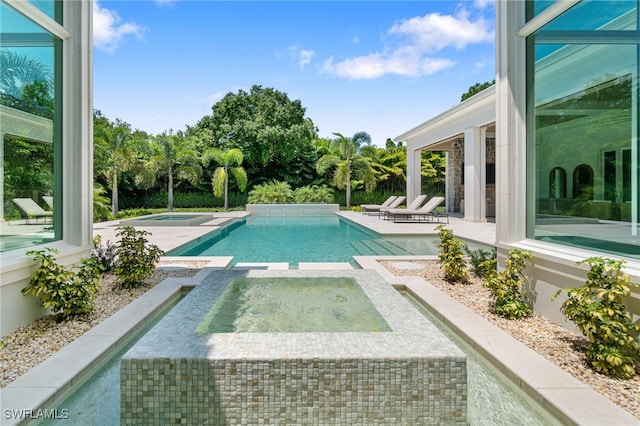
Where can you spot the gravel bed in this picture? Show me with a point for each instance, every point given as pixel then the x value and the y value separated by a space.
pixel 28 346
pixel 562 347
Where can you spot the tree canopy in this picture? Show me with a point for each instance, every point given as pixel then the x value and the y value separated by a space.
pixel 270 129
pixel 476 88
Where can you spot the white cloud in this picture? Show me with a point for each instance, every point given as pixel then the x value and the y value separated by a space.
pixel 377 65
pixel 166 3
pixel 434 32
pixel 482 4
pixel 418 40
pixel 108 29
pixel 301 56
pixel 305 57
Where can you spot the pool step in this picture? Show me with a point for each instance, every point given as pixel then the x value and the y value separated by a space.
pixel 262 265
pixel 377 247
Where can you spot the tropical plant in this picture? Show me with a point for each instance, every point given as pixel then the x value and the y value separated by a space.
pixel 173 157
pixel 19 70
pixel 347 166
pixel 68 292
pixel 451 256
pixel 114 152
pixel 313 194
pixel 506 286
pixel 101 204
pixel 104 254
pixel 271 193
pixel 484 262
pixel 230 163
pixel 136 258
pixel 597 309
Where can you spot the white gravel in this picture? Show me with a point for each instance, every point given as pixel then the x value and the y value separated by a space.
pixel 562 347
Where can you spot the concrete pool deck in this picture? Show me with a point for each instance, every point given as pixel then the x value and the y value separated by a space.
pixel 571 401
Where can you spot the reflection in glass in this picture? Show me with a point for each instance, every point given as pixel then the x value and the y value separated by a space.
pixel 29 102
pixel 584 99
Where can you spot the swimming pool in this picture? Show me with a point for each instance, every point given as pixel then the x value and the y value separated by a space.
pixel 296 239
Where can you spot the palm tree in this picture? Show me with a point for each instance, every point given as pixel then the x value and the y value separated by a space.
pixel 347 163
pixel 230 163
pixel 114 141
pixel 174 156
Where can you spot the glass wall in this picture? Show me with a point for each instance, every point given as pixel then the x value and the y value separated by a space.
pixel 582 121
pixel 30 131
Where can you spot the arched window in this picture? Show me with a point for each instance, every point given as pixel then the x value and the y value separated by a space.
pixel 583 182
pixel 557 183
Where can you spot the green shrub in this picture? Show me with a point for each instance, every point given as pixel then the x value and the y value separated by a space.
pixel 451 256
pixel 68 292
pixel 313 194
pixel 484 262
pixel 274 192
pixel 506 286
pixel 136 258
pixel 598 311
pixel 104 254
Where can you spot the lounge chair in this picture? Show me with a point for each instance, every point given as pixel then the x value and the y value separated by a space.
pixel 415 204
pixel 375 208
pixel 31 209
pixel 425 213
pixel 49 200
pixel 367 207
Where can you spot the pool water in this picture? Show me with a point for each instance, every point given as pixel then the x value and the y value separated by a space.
pixel 293 305
pixel 296 239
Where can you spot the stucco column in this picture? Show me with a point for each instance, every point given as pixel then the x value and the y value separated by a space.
pixel 414 180
pixel 474 174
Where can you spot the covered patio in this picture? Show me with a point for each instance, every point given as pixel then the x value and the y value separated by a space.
pixel 466 133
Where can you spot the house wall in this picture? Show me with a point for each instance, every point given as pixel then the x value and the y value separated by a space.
pixel 74 183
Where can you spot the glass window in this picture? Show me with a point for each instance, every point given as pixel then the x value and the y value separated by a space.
pixel 52 8
pixel 583 119
pixel 30 114
pixel 535 7
pixel 597 14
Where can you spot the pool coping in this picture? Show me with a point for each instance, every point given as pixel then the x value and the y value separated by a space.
pixel 571 401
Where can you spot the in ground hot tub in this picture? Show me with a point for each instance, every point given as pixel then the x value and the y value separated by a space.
pixel 168 219
pixel 394 367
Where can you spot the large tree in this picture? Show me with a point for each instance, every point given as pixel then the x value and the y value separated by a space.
pixel 476 88
pixel 347 165
pixel 271 130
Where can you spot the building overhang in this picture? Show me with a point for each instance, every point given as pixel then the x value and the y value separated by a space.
pixel 438 133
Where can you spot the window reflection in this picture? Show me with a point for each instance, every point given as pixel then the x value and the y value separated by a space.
pixel 28 111
pixel 585 125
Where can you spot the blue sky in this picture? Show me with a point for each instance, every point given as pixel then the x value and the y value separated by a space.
pixel 380 67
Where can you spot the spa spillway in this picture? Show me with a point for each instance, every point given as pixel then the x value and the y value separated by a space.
pixel 294 347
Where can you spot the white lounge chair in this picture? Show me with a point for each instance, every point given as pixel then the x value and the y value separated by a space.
pixel 31 209
pixel 415 204
pixel 375 208
pixel 49 200
pixel 367 207
pixel 425 213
